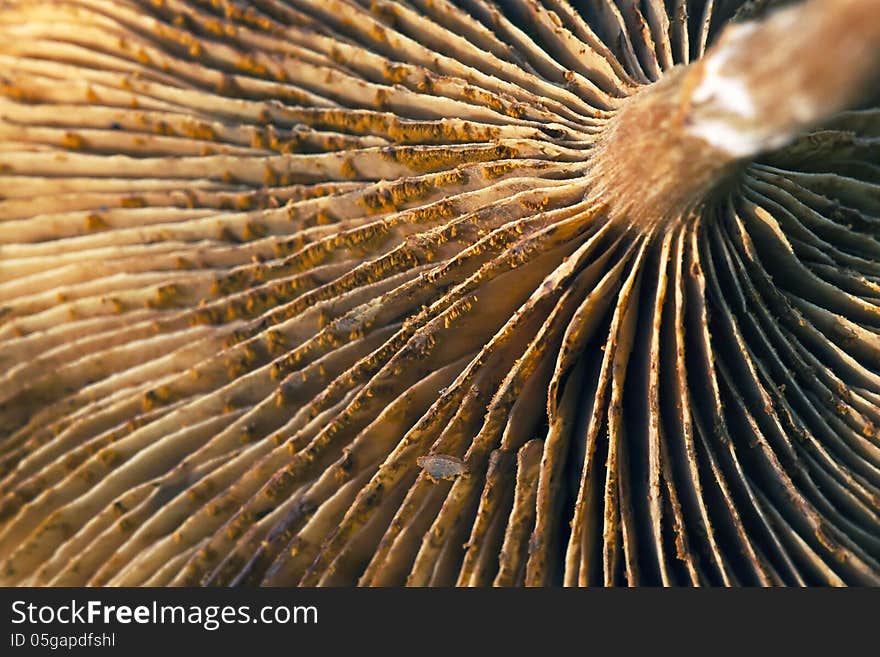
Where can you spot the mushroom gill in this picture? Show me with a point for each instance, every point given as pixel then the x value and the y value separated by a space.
pixel 435 292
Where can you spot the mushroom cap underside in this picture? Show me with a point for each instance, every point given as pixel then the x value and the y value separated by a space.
pixel 437 292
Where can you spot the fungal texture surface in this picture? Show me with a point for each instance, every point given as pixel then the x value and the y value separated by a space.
pixel 437 292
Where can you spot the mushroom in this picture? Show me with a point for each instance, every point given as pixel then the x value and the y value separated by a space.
pixel 435 292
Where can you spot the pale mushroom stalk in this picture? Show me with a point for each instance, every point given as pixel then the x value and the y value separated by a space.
pixel 679 141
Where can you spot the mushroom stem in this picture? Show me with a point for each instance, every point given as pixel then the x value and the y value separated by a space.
pixel 764 82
